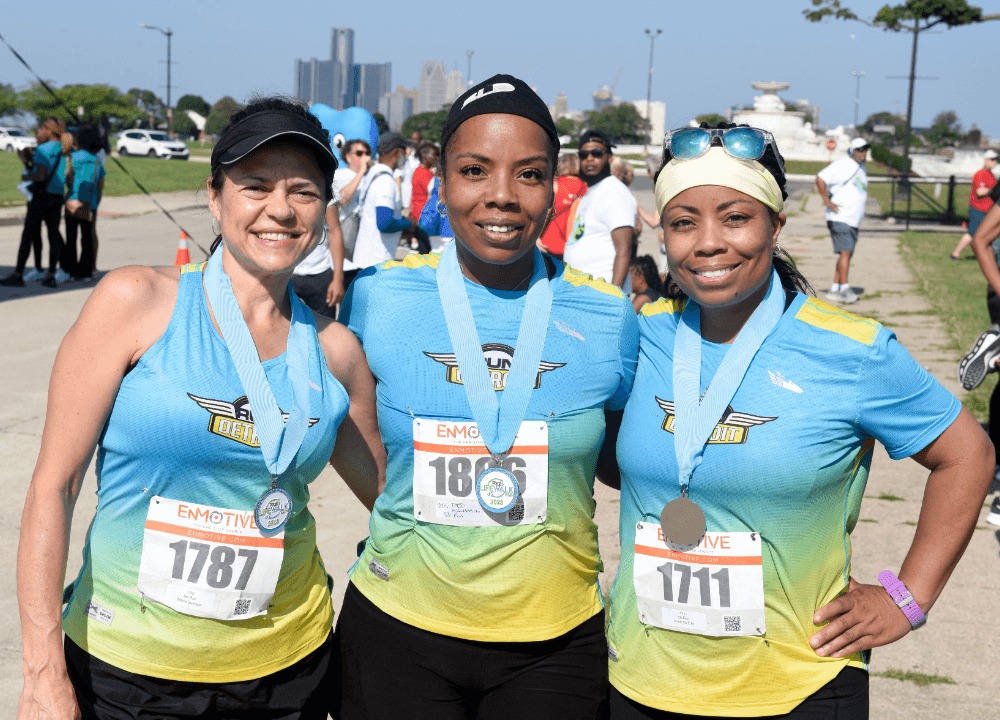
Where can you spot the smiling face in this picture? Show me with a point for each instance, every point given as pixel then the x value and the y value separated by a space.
pixel 357 155
pixel 719 245
pixel 498 186
pixel 271 207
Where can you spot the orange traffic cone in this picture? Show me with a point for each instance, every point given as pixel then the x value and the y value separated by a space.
pixel 183 256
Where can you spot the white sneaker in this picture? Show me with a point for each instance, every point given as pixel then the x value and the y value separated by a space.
pixel 61 276
pixel 33 274
pixel 848 296
pixel 833 296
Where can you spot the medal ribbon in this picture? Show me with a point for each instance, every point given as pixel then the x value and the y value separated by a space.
pixel 695 421
pixel 279 441
pixel 498 421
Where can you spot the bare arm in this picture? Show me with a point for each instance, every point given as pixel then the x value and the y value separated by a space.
pixel 622 239
pixel 821 186
pixel 961 462
pixel 359 456
pixel 607 459
pixel 347 193
pixel 988 229
pixel 652 220
pixel 117 324
pixel 335 292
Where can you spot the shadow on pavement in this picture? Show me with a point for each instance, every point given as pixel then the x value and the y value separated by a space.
pixel 35 287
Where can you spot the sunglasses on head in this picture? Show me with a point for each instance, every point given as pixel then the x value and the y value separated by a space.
pixel 596 152
pixel 742 143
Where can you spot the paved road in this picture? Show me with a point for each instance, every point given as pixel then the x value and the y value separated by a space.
pixel 961 642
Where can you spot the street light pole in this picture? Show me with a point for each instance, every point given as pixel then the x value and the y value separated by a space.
pixel 168 32
pixel 857 95
pixel 649 82
pixel 468 80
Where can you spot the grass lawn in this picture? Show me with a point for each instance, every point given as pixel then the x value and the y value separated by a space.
pixel 155 175
pixel 921 208
pixel 957 293
pixel 196 147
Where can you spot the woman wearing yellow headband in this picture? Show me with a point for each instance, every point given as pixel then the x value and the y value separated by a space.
pixel 742 457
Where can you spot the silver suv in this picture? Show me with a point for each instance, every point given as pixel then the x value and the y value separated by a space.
pixel 14 139
pixel 152 143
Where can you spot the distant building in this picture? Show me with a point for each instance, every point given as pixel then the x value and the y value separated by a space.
pixel 342 53
pixel 433 86
pixel 562 105
pixel 396 107
pixel 315 81
pixel 657 117
pixel 371 83
pixel 455 86
pixel 414 95
pixel 602 98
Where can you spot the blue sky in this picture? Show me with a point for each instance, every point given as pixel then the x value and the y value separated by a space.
pixel 705 60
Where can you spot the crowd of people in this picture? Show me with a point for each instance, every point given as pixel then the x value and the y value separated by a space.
pixel 470 398
pixel 62 175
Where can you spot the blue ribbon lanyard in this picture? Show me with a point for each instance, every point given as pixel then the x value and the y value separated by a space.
pixel 694 420
pixel 498 422
pixel 279 441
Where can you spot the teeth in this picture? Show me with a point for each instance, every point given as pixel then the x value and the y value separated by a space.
pixel 274 236
pixel 499 228
pixel 712 273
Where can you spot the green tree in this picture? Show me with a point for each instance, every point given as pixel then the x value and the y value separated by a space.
pixel 182 124
pixel 193 102
pixel 430 124
pixel 96 100
pixel 380 123
pixel 218 118
pixel 913 16
pixel 945 130
pixel 712 119
pixel 8 99
pixel 622 123
pixel 567 126
pixel 151 108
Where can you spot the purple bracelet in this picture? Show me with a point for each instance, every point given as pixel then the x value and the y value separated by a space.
pixel 902 597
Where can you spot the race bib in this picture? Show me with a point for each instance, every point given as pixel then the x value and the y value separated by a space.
pixel 716 588
pixel 208 562
pixel 449 458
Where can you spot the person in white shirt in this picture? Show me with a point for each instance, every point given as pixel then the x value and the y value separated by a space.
pixel 843 185
pixel 600 238
pixel 382 222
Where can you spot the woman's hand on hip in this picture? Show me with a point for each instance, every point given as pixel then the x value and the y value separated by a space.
pixel 47 697
pixel 863 618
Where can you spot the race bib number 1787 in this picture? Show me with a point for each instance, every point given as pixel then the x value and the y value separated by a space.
pixel 208 561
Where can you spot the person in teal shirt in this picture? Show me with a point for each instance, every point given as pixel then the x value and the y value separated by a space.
pixel 86 182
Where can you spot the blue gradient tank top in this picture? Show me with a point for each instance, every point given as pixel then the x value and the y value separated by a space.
pixel 181 428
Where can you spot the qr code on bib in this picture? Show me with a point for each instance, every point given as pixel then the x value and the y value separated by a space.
pixel 242 607
pixel 734 623
pixel 515 514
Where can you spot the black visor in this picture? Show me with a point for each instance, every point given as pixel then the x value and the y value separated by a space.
pixel 254 130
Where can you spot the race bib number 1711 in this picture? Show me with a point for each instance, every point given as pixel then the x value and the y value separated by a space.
pixel 449 456
pixel 715 588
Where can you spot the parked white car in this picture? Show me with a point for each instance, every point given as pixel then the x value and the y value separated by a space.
pixel 13 139
pixel 152 143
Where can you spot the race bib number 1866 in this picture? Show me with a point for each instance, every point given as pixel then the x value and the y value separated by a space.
pixel 449 456
pixel 208 562
pixel 715 588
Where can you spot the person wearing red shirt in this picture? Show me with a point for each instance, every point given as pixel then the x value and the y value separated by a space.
pixel 979 201
pixel 569 188
pixel 428 154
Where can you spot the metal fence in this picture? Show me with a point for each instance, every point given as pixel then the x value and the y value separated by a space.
pixel 942 200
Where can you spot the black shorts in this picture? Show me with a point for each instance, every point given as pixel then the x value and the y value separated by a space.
pixel 105 692
pixel 844 698
pixel 394 671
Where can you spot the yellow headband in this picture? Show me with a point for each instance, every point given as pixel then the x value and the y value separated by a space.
pixel 716 167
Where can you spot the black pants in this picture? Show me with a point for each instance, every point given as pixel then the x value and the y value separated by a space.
pixel 105 692
pixel 311 290
pixel 44 207
pixel 394 671
pixel 843 698
pixel 83 266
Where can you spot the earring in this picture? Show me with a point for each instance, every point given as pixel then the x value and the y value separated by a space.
pixel 441 208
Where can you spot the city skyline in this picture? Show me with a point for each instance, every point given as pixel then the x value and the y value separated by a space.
pixel 706 68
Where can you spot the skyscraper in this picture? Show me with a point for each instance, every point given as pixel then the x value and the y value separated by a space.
pixel 342 53
pixel 315 81
pixel 396 107
pixel 433 86
pixel 371 82
pixel 455 86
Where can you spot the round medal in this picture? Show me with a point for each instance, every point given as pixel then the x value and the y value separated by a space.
pixel 682 522
pixel 273 510
pixel 496 489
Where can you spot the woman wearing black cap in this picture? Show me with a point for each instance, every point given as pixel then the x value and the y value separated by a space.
pixel 476 595
pixel 213 397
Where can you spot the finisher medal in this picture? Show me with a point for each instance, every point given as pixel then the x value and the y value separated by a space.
pixel 497 489
pixel 682 522
pixel 273 509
